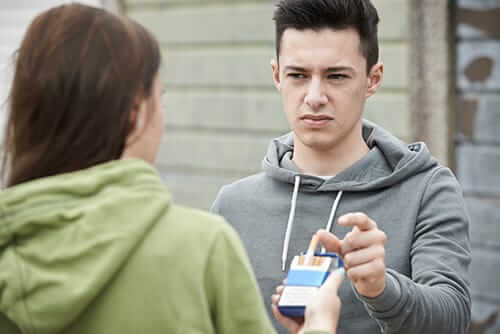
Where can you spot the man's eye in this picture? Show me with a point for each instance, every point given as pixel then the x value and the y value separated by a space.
pixel 296 75
pixel 337 76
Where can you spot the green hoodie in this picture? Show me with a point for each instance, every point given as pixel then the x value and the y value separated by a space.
pixel 104 250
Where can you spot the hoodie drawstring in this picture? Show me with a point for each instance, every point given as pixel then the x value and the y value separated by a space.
pixel 291 218
pixel 289 225
pixel 332 214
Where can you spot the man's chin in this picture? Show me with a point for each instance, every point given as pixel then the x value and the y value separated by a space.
pixel 318 142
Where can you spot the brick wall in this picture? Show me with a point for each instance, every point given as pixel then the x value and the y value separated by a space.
pixel 478 149
pixel 221 107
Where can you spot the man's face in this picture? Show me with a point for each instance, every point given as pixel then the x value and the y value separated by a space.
pixel 323 81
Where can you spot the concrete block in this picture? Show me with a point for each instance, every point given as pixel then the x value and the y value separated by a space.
pixel 11 37
pixel 212 24
pixel 249 20
pixel 477 65
pixel 478 117
pixel 485 221
pixel 488 119
pixel 395 58
pixel 485 285
pixel 478 169
pixel 249 67
pixel 247 111
pixel 391 111
pixel 39 4
pixel 197 191
pixel 184 3
pixel 181 150
pixel 229 67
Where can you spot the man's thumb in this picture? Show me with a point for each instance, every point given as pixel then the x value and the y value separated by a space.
pixel 329 241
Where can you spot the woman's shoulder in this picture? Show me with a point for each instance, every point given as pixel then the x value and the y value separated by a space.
pixel 189 226
pixel 195 219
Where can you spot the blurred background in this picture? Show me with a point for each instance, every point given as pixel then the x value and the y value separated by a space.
pixel 441 85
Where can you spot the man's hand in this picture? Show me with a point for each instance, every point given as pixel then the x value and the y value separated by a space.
pixel 363 252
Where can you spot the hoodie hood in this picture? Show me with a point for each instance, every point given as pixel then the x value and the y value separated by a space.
pixel 388 162
pixel 63 238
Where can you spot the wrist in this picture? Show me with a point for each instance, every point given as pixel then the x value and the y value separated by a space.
pixel 389 298
pixel 318 323
pixel 374 293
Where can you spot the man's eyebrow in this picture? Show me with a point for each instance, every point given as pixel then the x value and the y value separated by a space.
pixel 294 68
pixel 339 69
pixel 334 69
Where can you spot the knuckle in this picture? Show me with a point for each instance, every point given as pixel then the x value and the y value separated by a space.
pixel 380 252
pixel 349 240
pixel 383 237
pixel 348 260
pixel 360 216
pixel 380 266
pixel 351 275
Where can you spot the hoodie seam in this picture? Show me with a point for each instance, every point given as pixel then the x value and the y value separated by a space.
pixel 427 183
pixel 426 187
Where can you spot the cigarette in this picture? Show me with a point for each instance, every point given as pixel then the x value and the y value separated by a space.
pixel 310 251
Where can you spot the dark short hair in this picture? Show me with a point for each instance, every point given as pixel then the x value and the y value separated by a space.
pixel 77 74
pixel 334 14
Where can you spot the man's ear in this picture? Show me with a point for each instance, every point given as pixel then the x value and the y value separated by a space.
pixel 276 73
pixel 375 79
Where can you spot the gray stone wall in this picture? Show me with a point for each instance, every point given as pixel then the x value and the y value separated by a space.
pixel 478 149
pixel 221 106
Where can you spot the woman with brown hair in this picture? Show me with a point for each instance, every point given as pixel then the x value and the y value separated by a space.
pixel 90 241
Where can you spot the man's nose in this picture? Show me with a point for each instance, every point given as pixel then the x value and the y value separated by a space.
pixel 316 96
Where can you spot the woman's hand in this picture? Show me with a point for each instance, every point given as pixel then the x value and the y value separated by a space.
pixel 321 314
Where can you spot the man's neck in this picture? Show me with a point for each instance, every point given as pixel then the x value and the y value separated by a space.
pixel 329 162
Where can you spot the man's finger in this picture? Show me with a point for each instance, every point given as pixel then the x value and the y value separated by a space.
pixel 362 256
pixel 359 219
pixel 367 271
pixel 329 241
pixel 360 240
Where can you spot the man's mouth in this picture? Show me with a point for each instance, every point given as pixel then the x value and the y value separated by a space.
pixel 316 120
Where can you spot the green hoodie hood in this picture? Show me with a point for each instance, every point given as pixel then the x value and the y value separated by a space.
pixel 63 238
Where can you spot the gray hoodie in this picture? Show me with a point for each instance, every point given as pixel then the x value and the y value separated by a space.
pixel 414 200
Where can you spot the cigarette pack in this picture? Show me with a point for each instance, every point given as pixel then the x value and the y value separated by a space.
pixel 304 280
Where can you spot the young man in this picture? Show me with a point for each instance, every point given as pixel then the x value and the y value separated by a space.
pixel 397 217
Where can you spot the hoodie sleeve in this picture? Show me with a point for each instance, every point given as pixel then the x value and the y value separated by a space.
pixel 436 299
pixel 216 205
pixel 235 301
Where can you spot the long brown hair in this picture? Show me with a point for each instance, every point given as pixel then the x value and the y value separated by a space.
pixel 77 74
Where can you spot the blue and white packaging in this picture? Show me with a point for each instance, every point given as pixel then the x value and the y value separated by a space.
pixel 303 281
